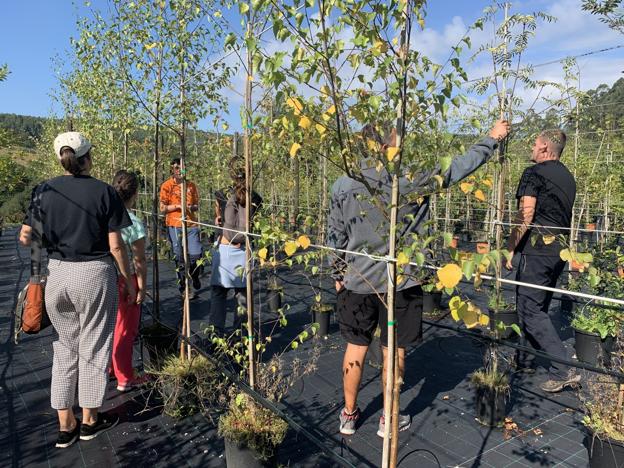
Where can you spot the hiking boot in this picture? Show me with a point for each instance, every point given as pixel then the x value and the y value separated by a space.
pixel 67 438
pixel 554 386
pixel 404 423
pixel 348 421
pixel 103 423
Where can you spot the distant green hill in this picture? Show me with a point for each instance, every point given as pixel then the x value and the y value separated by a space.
pixel 25 129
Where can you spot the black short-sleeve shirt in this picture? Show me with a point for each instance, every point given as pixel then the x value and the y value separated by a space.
pixel 76 213
pixel 552 184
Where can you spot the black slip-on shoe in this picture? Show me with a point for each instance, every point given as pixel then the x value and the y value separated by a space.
pixel 104 422
pixel 67 438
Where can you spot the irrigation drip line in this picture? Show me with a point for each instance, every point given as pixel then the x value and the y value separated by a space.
pixel 510 344
pixel 271 406
pixel 388 259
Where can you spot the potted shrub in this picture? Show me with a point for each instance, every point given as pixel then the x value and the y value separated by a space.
pixel 252 433
pixel 595 328
pixel 188 386
pixel 321 313
pixel 275 293
pixel 160 342
pixel 492 391
pixel 502 311
pixel 603 398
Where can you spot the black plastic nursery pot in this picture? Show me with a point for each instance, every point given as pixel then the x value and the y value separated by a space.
pixel 274 299
pixel 604 452
pixel 490 406
pixel 240 456
pixel 591 349
pixel 508 317
pixel 160 342
pixel 321 313
pixel 431 301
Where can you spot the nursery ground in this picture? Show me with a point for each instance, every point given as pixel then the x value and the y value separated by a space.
pixel 436 394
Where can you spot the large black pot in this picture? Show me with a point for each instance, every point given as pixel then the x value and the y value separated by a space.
pixel 604 453
pixel 321 313
pixel 591 349
pixel 490 407
pixel 239 456
pixel 274 300
pixel 160 342
pixel 431 301
pixel 375 356
pixel 508 317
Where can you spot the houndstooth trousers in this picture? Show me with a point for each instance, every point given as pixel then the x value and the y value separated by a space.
pixel 81 300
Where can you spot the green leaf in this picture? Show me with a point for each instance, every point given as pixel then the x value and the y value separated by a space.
pixel 243 8
pixel 468 269
pixel 516 328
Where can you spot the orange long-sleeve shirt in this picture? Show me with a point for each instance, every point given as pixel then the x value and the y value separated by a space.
pixel 171 194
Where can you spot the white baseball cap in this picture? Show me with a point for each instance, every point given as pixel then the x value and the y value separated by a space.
pixel 75 140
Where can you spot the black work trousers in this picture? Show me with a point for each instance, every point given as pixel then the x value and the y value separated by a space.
pixel 532 304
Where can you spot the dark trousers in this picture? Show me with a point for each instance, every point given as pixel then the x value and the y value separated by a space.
pixel 532 304
pixel 218 307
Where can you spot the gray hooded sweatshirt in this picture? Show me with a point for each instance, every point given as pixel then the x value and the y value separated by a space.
pixel 356 224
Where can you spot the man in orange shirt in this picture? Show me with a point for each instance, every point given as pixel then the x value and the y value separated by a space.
pixel 171 206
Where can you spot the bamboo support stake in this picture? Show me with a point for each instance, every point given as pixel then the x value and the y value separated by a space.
pixel 251 349
pixel 186 325
pixel 155 195
pixel 393 379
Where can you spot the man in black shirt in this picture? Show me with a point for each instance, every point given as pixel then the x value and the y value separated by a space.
pixel 546 194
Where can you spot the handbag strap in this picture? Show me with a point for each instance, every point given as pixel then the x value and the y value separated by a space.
pixel 35 239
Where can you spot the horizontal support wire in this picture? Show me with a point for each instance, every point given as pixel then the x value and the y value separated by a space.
pixel 388 259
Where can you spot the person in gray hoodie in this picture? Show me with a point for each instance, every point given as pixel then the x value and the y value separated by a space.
pixel 357 224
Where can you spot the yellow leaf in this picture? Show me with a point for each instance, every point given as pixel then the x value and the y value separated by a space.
pixel 479 195
pixel 151 46
pixel 466 187
pixel 488 183
pixel 455 315
pixel 305 123
pixel 484 320
pixel 372 145
pixel 293 149
pixel 402 259
pixel 285 122
pixel 331 110
pixel 548 239
pixel 295 104
pixel 471 316
pixel 290 248
pixel 391 153
pixel 326 117
pixel 325 90
pixel 320 128
pixel 439 286
pixel 450 275
pixel 262 253
pixel 303 242
pixel 395 41
pixel 250 77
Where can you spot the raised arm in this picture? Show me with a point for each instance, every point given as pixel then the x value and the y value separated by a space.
pixel 477 155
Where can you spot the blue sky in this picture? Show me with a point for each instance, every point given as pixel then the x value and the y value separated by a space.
pixel 34 31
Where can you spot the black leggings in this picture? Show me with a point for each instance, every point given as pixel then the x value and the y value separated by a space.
pixel 218 307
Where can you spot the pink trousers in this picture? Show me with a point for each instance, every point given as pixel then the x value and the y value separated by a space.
pixel 126 329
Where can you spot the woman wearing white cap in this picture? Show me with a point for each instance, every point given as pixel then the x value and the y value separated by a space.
pixel 80 219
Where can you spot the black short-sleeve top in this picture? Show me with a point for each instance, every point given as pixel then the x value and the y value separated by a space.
pixel 76 213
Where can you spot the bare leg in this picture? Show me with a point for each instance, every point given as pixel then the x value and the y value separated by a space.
pixel 67 420
pixel 89 416
pixel 383 372
pixel 352 367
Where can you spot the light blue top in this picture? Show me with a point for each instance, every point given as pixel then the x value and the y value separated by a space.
pixel 131 234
